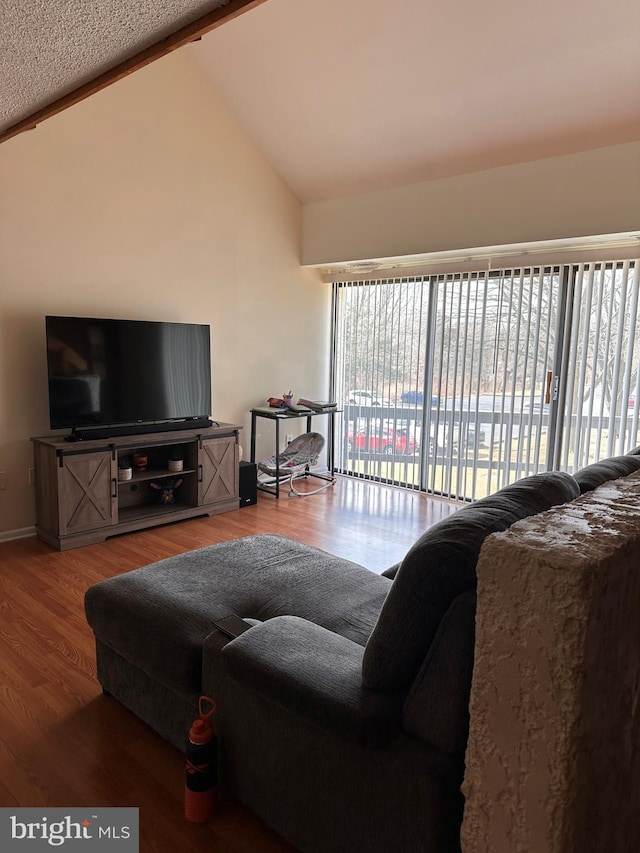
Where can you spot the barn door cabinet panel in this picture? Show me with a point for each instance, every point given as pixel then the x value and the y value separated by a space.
pixel 218 471
pixel 75 492
pixel 79 499
pixel 87 498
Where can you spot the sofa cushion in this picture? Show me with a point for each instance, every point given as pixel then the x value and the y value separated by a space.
pixel 158 616
pixel 595 475
pixel 437 707
pixel 440 566
pixel 313 673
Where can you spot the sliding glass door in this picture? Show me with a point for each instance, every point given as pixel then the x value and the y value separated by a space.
pixel 458 384
pixel 380 348
pixel 493 350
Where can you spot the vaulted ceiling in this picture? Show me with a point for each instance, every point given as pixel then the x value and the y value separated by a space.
pixel 348 96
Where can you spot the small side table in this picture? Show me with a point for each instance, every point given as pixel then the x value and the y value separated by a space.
pixel 279 415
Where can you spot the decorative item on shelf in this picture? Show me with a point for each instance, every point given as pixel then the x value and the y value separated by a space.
pixel 140 461
pixel 125 471
pixel 167 490
pixel 175 462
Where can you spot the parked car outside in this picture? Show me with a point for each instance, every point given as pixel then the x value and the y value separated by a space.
pixel 450 441
pixel 367 398
pixel 417 397
pixel 388 440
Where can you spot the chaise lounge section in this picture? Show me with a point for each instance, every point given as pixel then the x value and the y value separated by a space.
pixel 343 713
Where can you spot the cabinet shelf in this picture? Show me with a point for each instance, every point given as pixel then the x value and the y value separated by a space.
pixel 145 511
pixel 154 474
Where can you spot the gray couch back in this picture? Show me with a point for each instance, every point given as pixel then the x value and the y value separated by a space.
pixel 423 639
pixel 596 474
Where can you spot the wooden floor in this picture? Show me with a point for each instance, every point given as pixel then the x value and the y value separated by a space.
pixel 62 743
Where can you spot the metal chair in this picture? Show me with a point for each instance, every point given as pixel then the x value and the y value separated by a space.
pixel 295 461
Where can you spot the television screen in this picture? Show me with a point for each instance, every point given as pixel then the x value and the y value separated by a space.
pixel 113 372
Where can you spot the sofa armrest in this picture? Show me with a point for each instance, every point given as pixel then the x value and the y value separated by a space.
pixel 312 672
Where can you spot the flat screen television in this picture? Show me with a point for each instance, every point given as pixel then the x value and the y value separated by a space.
pixel 112 377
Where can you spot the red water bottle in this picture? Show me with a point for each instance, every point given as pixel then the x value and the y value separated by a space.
pixel 201 776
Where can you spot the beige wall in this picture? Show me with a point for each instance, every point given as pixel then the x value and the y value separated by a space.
pixel 148 201
pixel 596 192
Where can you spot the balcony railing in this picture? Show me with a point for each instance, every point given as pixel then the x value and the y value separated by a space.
pixel 464 453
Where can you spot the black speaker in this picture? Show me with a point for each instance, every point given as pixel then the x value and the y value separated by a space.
pixel 248 484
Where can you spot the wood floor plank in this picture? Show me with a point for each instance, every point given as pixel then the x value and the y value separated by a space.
pixel 63 743
pixel 16 669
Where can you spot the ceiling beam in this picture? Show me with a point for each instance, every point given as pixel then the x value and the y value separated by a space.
pixel 191 32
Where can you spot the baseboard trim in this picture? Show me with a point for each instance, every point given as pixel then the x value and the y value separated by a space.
pixel 20 533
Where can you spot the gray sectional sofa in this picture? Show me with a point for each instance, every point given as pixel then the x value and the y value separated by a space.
pixel 343 712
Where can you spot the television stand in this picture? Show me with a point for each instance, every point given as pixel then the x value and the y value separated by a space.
pixel 84 433
pixel 81 500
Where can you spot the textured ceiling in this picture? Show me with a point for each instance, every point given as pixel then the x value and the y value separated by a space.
pixel 50 47
pixel 349 96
